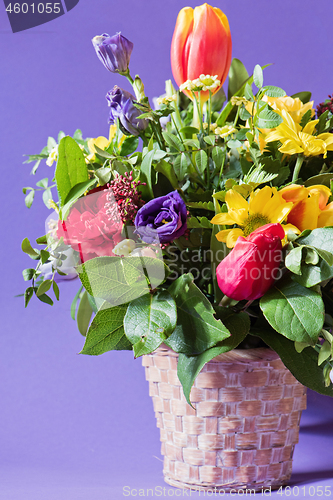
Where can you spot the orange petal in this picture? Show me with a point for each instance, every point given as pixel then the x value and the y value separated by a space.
pixel 180 45
pixel 323 193
pixel 294 193
pixel 210 45
pixel 326 218
pixel 305 214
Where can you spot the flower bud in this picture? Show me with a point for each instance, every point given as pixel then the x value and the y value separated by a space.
pixel 113 51
pixel 252 267
pixel 122 107
pixel 201 44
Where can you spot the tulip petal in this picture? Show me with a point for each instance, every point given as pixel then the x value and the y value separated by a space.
pixel 180 45
pixel 326 218
pixel 209 49
pixel 323 193
pixel 304 214
pixel 294 193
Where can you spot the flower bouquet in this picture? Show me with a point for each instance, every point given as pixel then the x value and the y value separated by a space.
pixel 201 224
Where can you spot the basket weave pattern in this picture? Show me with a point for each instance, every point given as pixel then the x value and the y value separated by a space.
pixel 245 425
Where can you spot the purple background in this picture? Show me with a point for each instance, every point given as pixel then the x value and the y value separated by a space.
pixel 77 427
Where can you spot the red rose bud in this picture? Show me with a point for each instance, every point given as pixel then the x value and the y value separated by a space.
pixel 201 44
pixel 252 267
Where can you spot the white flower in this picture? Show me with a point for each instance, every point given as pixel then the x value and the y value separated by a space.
pixel 225 131
pixel 53 156
pixel 166 100
pixel 58 262
pixel 124 248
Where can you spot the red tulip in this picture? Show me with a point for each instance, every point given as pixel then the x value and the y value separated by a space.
pixel 201 44
pixel 252 267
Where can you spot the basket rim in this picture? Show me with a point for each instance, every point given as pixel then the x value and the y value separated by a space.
pixel 236 355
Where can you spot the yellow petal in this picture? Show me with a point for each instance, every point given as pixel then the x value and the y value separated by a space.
pixel 304 214
pixel 281 213
pixel 259 199
pixel 290 147
pixel 223 219
pixel 326 218
pixel 310 126
pixel 239 215
pixel 233 237
pixel 294 193
pixel 235 200
pixel 323 193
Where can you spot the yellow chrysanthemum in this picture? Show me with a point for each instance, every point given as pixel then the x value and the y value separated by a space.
pixel 297 140
pixel 264 206
pixel 294 107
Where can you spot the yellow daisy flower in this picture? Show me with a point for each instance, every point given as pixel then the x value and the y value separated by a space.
pixel 297 140
pixel 264 206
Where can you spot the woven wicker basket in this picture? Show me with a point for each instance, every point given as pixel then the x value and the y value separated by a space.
pixel 245 425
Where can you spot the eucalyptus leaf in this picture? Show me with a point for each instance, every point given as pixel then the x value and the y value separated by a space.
pixel 201 161
pixel 28 200
pixel 84 314
pixel 27 248
pixel 272 91
pixel 258 77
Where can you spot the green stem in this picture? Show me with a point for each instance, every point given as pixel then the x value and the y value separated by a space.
pixel 129 78
pixel 222 166
pixel 297 168
pixel 209 111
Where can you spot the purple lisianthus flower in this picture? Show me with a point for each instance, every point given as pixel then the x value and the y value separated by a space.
pixel 113 51
pixel 163 218
pixel 122 107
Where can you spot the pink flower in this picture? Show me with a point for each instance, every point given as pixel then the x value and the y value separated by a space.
pixel 93 227
pixel 252 266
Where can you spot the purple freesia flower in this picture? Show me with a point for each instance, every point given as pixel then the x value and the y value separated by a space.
pixel 122 107
pixel 113 51
pixel 163 217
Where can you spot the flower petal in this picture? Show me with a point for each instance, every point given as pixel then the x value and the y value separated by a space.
pixel 223 219
pixel 235 200
pixel 259 199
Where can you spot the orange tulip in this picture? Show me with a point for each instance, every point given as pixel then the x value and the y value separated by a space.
pixel 201 44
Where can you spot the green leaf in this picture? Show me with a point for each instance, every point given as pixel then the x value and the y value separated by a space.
pixel 259 175
pixel 27 295
pixel 194 143
pixel 325 352
pixel 313 275
pixel 129 145
pixel 180 166
pixel 204 205
pixel 149 320
pixel 146 171
pixel 248 94
pixel 71 167
pixel 47 196
pixel 272 91
pixel 44 287
pixel 200 222
pixel 258 77
pixel 56 290
pixel 167 170
pixel 44 255
pixel 197 329
pixel 294 311
pixel 324 179
pixel 320 238
pixel 74 302
pixel 304 365
pixel 201 160
pixel 294 259
pixel 84 314
pixel 29 198
pixel 42 240
pixel 102 153
pixel 267 118
pixel 27 248
pixel 74 194
pixel 210 140
pixel 103 174
pixel 28 274
pixel 189 130
pixel 106 332
pixel 189 367
pixel 237 77
pixel 173 141
pixel 306 118
pixel 218 155
pixel 303 96
pixel 46 299
pixel 43 183
pixel 120 280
